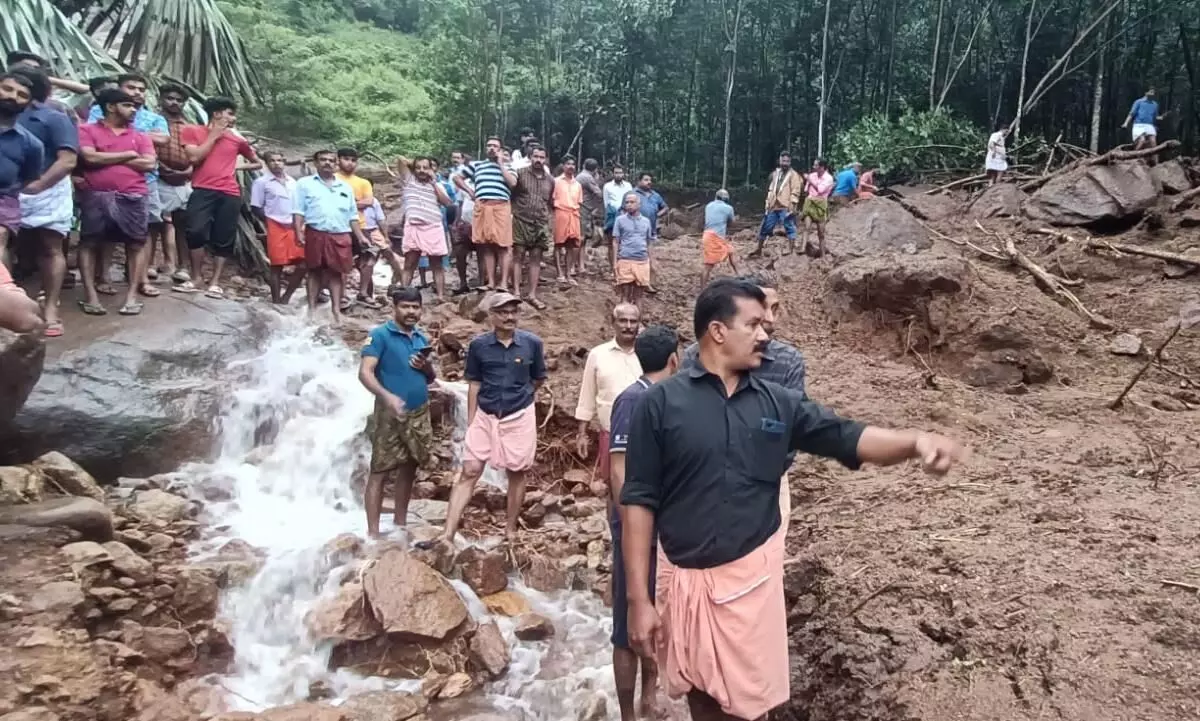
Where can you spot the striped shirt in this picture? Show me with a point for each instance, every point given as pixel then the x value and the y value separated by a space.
pixel 488 179
pixel 420 203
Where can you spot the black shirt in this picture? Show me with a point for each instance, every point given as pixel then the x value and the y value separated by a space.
pixel 505 373
pixel 709 465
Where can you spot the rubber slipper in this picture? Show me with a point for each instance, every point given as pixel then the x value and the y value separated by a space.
pixel 152 274
pixel 215 292
pixel 131 309
pixel 54 330
pixel 149 291
pixel 537 303
pixel 92 308
pixel 185 287
pixel 181 276
pixel 105 289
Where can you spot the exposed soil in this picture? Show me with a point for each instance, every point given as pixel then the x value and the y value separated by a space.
pixel 1028 584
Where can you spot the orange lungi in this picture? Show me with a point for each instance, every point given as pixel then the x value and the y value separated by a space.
pixel 491 223
pixel 282 248
pixel 566 226
pixel 716 248
pixel 724 630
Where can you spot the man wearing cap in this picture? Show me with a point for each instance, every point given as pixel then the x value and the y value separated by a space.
pixel 504 369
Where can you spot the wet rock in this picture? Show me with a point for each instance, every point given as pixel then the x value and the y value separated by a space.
pixel 160 644
pixel 545 574
pixel 595 554
pixel 68 475
pixel 107 594
pixel 159 542
pixel 408 597
pixel 305 711
pixel 1002 200
pixel 534 515
pixel 872 227
pixel 1172 176
pixel 428 511
pixel 394 656
pixel 196 594
pixel 91 518
pixel 1125 344
pixel 1094 194
pixel 596 709
pixel 506 603
pixel 384 706
pixel 127 563
pixel 342 549
pixel 85 553
pixel 1190 219
pixel 1006 369
pixel 533 627
pixel 21 360
pixel 454 686
pixel 20 484
pixel 489 650
pixel 345 617
pixel 440 556
pixel 898 283
pixel 486 572
pixel 156 505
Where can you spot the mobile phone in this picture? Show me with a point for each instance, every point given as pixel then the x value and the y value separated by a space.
pixel 426 351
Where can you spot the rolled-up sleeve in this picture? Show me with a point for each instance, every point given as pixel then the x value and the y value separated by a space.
pixel 585 409
pixel 821 432
pixel 474 366
pixel 644 454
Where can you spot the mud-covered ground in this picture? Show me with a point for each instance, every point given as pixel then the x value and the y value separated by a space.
pixel 1029 584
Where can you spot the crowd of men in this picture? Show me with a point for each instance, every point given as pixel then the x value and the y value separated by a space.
pixel 699 509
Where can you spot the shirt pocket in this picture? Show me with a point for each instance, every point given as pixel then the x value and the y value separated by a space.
pixel 766 453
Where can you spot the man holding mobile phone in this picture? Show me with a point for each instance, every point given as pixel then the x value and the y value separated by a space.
pixel 397 368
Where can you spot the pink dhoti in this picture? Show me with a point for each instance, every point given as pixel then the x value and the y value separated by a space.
pixel 508 443
pixel 725 630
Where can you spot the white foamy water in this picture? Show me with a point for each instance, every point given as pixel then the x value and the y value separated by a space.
pixel 299 411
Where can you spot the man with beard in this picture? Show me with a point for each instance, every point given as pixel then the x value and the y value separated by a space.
pixel 784 188
pixel 609 369
pixel 504 369
pixel 365 256
pixel 23 59
pixel 21 154
pixel 424 232
pixel 488 184
pixel 114 205
pixel 271 200
pixel 706 449
pixel 397 368
pixel 215 205
pixel 175 183
pixel 47 204
pixel 533 204
pixel 325 218
pixel 568 232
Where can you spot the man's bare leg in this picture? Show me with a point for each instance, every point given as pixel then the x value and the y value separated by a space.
pixel 313 286
pixel 274 282
pixel 489 265
pixel 294 280
pixel 197 257
pixel 373 501
pixel 337 285
pixel 1151 141
pixel 516 499
pixel 821 239
pixel 54 267
pixel 704 275
pixel 218 269
pixel 704 708
pixel 518 264
pixel 733 263
pixel 87 271
pixel 648 707
pixel 560 262
pixel 439 276
pixel 170 253
pixel 411 260
pixel 462 252
pixel 138 257
pixel 402 486
pixel 506 267
pixel 535 271
pixel 625 671
pixel 460 496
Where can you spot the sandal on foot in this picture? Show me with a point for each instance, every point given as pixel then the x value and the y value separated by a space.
pixel 92 308
pixel 369 303
pixel 181 276
pixel 214 291
pixel 149 291
pixel 186 286
pixel 536 303
pixel 54 329
pixel 134 308
pixel 105 289
pixel 152 273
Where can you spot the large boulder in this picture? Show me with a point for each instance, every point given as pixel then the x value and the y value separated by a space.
pixel 21 360
pixel 67 475
pixel 1094 194
pixel 411 599
pixel 897 282
pixel 89 517
pixel 343 617
pixel 1172 176
pixel 1002 200
pixel 130 397
pixel 874 226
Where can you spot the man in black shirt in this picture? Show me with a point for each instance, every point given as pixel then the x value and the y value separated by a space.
pixel 706 451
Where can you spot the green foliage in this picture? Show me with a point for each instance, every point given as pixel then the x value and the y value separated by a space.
pixel 345 84
pixel 915 143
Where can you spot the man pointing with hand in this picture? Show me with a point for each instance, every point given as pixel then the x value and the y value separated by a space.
pixel 706 450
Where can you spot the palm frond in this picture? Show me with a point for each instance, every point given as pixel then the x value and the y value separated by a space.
pixel 38 26
pixel 186 39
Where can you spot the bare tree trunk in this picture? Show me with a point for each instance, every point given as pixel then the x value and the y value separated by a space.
pixel 732 36
pixel 824 100
pixel 937 47
pixel 963 59
pixel 1016 124
pixel 1097 104
pixel 891 62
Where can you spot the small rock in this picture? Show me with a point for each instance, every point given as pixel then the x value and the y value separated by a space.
pixel 595 553
pixel 596 709
pixel 160 644
pixel 486 572
pixel 257 455
pixel 58 598
pixel 20 484
pixel 85 553
pixel 533 627
pixel 196 594
pixel 159 541
pixel 577 475
pixel 156 505
pixel 506 603
pixel 428 511
pixel 456 685
pixel 1125 344
pixel 31 713
pixel 107 594
pixel 384 706
pixel 490 650
pixel 128 563
pixel 341 549
pixel 134 484
pixel 425 489
pixel 345 617
pixel 545 575
pixel 122 605
pixel 68 475
pixel 534 515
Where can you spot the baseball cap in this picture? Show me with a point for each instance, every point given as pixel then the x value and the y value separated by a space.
pixel 502 299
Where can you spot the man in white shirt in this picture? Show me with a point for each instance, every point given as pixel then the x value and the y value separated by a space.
pixel 271 201
pixel 520 156
pixel 611 367
pixel 614 192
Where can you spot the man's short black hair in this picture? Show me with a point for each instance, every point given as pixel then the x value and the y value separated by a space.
pixel 617 166
pixel 131 78
pixel 174 88
pixel 347 153
pixel 654 346
pixel 645 174
pixel 100 83
pixel 405 294
pixel 567 159
pixel 785 154
pixel 17 56
pixel 39 81
pixel 525 131
pixel 325 151
pixel 823 163
pixel 112 96
pixel 20 78
pixel 268 155
pixel 219 104
pixel 718 302
pixel 762 278
pixel 497 138
pixel 590 165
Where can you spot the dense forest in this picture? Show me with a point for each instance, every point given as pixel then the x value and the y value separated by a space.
pixel 701 91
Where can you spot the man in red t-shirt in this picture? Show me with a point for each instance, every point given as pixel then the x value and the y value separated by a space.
pixel 216 200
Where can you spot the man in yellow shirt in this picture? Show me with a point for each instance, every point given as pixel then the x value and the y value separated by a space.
pixel 611 367
pixel 364 197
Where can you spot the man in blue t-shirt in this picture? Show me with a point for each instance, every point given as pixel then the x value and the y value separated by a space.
pixel 846 183
pixel 397 368
pixel 657 350
pixel 1143 116
pixel 714 244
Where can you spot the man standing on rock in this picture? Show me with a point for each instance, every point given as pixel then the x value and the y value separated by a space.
pixel 609 369
pixel 657 351
pixel 784 189
pixel 568 228
pixel 488 185
pixel 424 230
pixel 504 369
pixel 271 200
pixel 326 218
pixel 715 243
pixel 706 448
pixel 818 184
pixel 397 367
pixel 1144 116
pixel 533 206
pixel 175 183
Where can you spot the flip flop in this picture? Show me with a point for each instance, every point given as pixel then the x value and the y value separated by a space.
pixel 152 273
pixel 370 303
pixel 149 291
pixel 215 292
pixel 54 330
pixel 536 303
pixel 134 308
pixel 185 287
pixel 92 308
pixel 105 289
pixel 181 276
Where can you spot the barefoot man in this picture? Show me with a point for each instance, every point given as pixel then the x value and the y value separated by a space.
pixel 424 233
pixel 609 369
pixel 657 350
pixel 271 200
pixel 568 229
pixel 632 235
pixel 488 184
pixel 706 450
pixel 397 368
pixel 533 207
pixel 715 242
pixel 504 369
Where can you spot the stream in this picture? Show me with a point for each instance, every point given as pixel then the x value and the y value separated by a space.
pixel 303 395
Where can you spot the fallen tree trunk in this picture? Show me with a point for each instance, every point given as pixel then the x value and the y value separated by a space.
pixel 1093 244
pixel 956 183
pixel 1051 285
pixel 1115 155
pixel 1185 198
pixel 1155 357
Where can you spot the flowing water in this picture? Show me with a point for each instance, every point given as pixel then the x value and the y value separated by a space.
pixel 301 411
